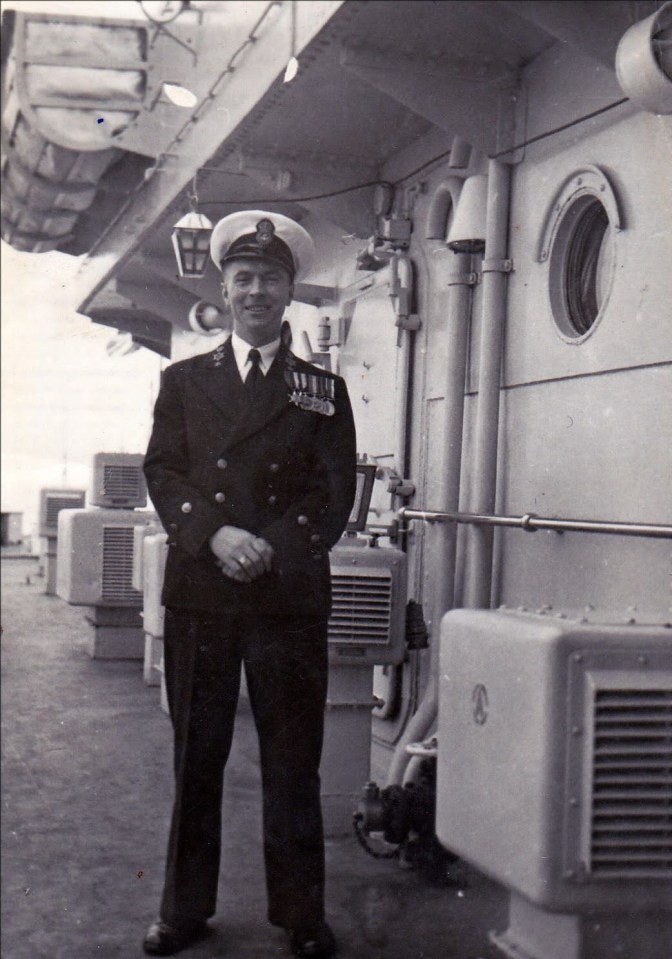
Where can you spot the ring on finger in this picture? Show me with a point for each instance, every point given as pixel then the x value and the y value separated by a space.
pixel 243 560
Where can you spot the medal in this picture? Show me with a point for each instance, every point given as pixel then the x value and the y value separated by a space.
pixel 312 404
pixel 311 392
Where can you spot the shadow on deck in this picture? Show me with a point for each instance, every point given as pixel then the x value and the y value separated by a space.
pixel 87 792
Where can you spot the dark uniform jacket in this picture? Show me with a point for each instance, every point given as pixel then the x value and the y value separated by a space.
pixel 283 471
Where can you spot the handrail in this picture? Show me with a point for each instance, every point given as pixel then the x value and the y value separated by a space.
pixel 530 522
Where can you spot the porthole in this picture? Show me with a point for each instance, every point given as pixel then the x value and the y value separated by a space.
pixel 578 242
pixel 580 266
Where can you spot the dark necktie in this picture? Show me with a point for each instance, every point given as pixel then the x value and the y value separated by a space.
pixel 254 377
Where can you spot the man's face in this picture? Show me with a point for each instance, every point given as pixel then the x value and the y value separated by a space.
pixel 257 291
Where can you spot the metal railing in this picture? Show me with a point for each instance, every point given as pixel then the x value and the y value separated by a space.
pixel 530 522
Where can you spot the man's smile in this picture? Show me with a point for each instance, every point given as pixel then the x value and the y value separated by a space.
pixel 257 293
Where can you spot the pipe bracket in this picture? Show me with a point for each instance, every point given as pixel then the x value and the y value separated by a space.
pixel 525 522
pixel 408 321
pixel 497 266
pixel 427 750
pixel 462 279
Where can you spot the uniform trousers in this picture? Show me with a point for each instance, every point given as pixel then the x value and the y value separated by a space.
pixel 285 662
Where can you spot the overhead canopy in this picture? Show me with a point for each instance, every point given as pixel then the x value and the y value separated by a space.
pixel 70 88
pixel 377 79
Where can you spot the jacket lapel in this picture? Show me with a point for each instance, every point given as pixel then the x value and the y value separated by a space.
pixel 270 402
pixel 218 378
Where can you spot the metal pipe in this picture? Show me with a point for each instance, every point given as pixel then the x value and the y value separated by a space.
pixel 451 463
pixel 478 578
pixel 457 323
pixel 402 279
pixel 460 154
pixel 530 522
pixel 444 201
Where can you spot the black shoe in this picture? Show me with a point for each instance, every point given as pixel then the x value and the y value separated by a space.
pixel 164 939
pixel 314 942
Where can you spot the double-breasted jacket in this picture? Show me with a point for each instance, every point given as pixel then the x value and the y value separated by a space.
pixel 280 468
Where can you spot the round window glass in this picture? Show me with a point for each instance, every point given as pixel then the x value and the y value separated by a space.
pixel 581 266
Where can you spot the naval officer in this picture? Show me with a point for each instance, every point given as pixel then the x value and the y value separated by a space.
pixel 251 467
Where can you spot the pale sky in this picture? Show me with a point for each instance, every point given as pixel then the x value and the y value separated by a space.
pixel 64 397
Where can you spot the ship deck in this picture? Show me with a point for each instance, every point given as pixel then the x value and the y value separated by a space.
pixel 86 799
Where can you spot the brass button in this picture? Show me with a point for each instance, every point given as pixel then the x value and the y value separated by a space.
pixel 274 467
pixel 315 538
pixel 222 464
pixel 272 500
pixel 220 497
pixel 302 520
pixel 186 507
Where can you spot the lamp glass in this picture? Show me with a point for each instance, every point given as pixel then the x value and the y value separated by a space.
pixel 191 242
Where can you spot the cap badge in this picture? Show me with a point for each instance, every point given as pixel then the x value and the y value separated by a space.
pixel 265 233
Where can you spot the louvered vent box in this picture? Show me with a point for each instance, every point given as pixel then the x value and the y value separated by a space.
pixel 118 481
pixel 52 501
pixel 368 618
pixel 555 757
pixel 95 556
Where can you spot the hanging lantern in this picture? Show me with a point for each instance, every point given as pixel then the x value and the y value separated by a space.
pixel 191 242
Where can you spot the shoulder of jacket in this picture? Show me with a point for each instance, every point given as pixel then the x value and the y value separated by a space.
pixel 194 362
pixel 305 367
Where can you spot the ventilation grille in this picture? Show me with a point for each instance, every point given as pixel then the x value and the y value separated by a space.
pixel 631 828
pixel 118 564
pixel 121 482
pixel 55 504
pixel 361 608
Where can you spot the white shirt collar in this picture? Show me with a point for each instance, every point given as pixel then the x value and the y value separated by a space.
pixel 241 351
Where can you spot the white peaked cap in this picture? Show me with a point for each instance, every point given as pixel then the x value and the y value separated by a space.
pixel 255 234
